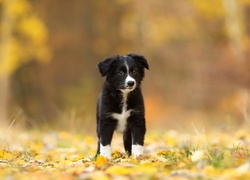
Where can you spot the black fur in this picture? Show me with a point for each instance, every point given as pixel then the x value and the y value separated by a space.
pixel 111 97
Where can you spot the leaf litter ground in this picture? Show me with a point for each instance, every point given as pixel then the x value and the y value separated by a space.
pixel 168 155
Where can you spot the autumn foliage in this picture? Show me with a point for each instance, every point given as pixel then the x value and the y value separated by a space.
pixel 198 51
pixel 171 155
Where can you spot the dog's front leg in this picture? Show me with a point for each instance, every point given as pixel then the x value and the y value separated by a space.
pixel 127 141
pixel 107 127
pixel 138 133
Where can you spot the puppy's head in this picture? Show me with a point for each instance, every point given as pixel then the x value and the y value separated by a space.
pixel 123 73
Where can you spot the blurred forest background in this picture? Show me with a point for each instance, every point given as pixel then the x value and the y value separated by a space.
pixel 198 51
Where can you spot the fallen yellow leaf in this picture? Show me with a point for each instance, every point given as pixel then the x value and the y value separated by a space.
pixel 101 161
pixel 145 169
pixel 118 170
pixel 5 155
pixel 64 164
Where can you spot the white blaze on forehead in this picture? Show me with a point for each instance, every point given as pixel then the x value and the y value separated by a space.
pixel 126 64
pixel 128 78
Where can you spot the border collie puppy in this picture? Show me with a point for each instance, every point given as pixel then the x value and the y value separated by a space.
pixel 120 104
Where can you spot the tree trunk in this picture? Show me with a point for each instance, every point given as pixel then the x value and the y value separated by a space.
pixel 234 23
pixel 5 44
pixel 4 97
pixel 233 17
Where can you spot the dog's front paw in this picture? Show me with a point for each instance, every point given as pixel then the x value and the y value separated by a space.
pixel 105 151
pixel 137 150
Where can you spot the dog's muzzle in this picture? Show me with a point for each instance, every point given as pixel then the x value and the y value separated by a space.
pixel 130 84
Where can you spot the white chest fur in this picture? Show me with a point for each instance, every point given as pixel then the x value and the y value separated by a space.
pixel 122 118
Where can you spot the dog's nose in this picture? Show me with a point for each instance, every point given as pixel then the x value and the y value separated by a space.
pixel 131 83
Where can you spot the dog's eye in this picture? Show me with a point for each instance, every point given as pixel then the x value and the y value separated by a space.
pixel 120 72
pixel 134 71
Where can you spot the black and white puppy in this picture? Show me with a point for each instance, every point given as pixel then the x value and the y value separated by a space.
pixel 120 105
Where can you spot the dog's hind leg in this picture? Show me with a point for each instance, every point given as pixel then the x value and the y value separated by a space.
pixel 127 141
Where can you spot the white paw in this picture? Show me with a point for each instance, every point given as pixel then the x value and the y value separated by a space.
pixel 137 150
pixel 105 151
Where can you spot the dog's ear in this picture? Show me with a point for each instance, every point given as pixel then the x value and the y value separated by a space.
pixel 105 64
pixel 140 59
